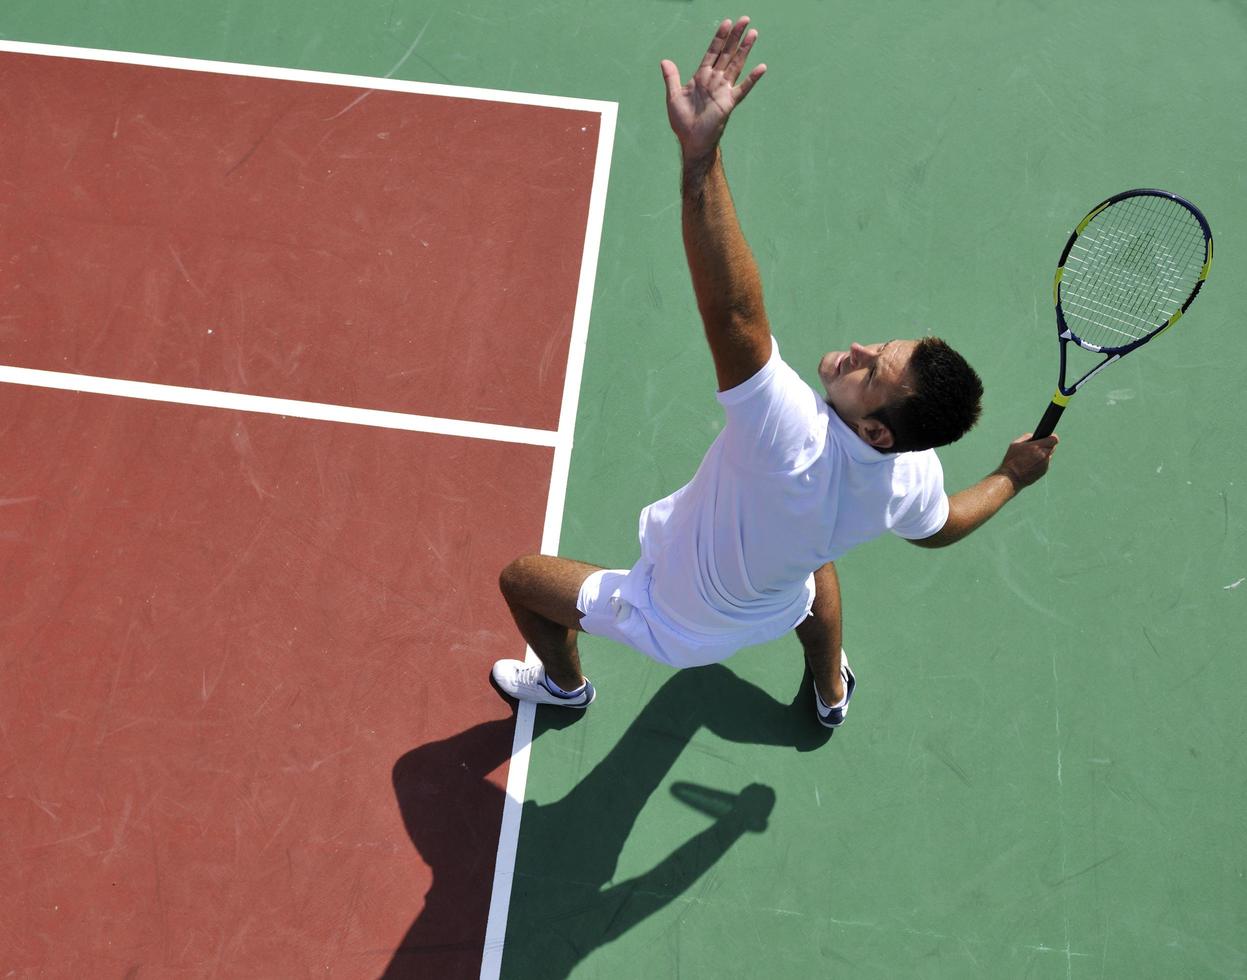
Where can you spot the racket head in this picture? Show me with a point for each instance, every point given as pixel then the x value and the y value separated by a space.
pixel 1130 269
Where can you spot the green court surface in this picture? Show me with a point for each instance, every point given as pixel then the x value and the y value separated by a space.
pixel 1043 774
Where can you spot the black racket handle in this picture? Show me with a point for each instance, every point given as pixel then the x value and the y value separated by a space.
pixel 1048 422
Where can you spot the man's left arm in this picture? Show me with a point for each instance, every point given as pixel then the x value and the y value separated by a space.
pixel 1024 463
pixel 724 273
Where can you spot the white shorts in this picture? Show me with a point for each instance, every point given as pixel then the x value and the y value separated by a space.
pixel 615 603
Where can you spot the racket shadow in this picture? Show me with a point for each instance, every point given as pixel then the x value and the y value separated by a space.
pixel 564 901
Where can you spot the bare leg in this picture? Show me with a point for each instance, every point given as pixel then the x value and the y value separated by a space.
pixel 820 634
pixel 541 592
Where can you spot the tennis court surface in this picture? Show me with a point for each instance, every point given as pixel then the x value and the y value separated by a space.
pixel 301 306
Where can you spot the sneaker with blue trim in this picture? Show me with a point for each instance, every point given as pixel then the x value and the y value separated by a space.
pixel 528 682
pixel 832 716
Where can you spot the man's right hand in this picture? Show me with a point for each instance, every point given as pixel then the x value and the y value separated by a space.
pixel 699 110
pixel 1026 461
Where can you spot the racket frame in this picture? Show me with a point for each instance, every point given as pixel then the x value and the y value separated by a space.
pixel 1064 392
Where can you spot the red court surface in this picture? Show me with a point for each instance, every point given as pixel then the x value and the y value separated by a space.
pixel 221 632
pixel 245 724
pixel 315 242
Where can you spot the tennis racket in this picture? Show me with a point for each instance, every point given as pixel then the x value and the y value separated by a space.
pixel 1127 274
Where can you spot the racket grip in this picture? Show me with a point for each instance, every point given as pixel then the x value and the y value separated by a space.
pixel 1048 422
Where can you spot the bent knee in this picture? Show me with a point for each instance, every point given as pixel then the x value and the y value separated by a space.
pixel 518 573
pixel 547 585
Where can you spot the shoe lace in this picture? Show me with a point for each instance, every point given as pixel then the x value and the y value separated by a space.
pixel 530 674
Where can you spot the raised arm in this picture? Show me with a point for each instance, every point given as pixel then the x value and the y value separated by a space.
pixel 725 276
pixel 1024 463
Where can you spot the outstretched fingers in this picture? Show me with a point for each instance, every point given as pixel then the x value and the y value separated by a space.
pixel 717 44
pixel 745 87
pixel 730 55
pixel 729 48
pixel 736 63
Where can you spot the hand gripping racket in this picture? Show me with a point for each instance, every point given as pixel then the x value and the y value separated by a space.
pixel 1129 271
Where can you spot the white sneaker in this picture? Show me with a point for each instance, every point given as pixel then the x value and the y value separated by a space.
pixel 527 682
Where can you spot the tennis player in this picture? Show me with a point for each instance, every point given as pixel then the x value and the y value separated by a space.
pixel 798 475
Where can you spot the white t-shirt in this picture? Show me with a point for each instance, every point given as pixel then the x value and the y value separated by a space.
pixel 785 487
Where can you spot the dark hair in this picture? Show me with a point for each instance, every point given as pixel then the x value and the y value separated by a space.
pixel 944 402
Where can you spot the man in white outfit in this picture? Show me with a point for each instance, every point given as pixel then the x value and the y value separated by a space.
pixel 744 552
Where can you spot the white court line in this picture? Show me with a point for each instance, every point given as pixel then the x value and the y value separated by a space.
pixel 286 407
pixel 521 747
pixel 312 77
pixel 517 777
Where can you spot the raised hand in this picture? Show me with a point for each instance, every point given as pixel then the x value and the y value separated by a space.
pixel 699 110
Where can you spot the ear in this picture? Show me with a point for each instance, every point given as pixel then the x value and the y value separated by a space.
pixel 876 434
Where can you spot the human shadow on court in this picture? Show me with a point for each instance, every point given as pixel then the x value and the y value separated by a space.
pixel 564 901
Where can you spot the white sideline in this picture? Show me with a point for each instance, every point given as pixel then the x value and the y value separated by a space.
pixel 517 772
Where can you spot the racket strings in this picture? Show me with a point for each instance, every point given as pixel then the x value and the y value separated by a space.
pixel 1130 270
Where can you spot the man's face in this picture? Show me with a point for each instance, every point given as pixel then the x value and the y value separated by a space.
pixel 859 381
